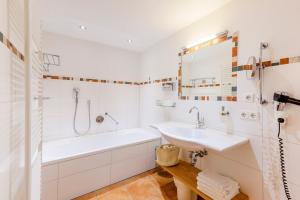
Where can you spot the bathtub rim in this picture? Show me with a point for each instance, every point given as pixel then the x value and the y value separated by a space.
pixel 102 150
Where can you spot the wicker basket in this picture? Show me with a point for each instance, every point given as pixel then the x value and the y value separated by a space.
pixel 167 155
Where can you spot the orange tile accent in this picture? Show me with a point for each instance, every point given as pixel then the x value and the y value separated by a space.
pixel 229 98
pixel 266 63
pixel 234 51
pixel 247 67
pixel 234 64
pixel 235 39
pixel 11 47
pixel 284 61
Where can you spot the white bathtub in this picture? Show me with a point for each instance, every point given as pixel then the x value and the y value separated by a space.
pixel 76 166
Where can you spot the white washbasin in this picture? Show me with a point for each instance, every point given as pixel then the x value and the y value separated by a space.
pixel 187 137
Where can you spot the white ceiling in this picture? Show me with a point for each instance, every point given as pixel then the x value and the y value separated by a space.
pixel 113 22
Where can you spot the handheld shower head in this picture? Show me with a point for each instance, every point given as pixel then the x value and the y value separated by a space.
pixel 76 90
pixel 76 93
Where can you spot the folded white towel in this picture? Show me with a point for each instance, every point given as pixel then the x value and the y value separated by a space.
pixel 210 192
pixel 215 194
pixel 220 189
pixel 217 186
pixel 214 177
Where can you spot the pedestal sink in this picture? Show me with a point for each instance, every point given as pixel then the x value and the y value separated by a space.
pixel 190 138
pixel 193 139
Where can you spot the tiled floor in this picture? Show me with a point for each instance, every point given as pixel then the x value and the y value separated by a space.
pixel 146 186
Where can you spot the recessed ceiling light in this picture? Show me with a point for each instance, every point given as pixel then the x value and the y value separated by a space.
pixel 83 27
pixel 129 41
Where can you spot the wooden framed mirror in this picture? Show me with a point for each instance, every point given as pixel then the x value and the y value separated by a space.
pixel 208 71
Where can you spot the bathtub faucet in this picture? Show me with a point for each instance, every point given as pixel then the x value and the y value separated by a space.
pixel 112 118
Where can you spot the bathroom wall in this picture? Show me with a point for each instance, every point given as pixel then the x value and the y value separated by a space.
pixel 13 146
pixel 88 60
pixel 273 21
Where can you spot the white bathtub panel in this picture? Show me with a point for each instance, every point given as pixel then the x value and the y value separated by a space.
pixel 49 173
pixel 85 163
pixel 152 147
pixel 150 163
pixel 49 190
pixel 129 152
pixel 128 168
pixel 82 183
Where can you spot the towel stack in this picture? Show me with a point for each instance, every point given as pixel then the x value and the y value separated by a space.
pixel 216 186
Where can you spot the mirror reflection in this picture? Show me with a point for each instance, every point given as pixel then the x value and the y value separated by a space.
pixel 208 72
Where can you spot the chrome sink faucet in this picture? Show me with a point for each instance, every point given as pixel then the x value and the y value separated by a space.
pixel 200 121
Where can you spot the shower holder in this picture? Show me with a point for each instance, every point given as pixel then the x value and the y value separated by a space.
pixel 50 60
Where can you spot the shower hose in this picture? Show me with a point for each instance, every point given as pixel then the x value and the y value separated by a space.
pixel 75 114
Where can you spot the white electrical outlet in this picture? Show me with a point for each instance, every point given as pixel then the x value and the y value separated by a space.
pixel 281 114
pixel 253 116
pixel 249 115
pixel 244 115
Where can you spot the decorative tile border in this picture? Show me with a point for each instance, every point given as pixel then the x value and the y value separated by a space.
pixel 208 98
pixel 11 47
pixel 204 85
pixel 91 80
pixel 234 63
pixel 269 63
pixel 164 80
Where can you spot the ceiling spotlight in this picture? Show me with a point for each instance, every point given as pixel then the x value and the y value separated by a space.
pixel 83 27
pixel 129 41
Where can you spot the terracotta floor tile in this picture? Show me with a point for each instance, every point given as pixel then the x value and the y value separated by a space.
pixel 162 180
pixel 145 189
pixel 169 191
pixel 90 196
pixel 116 194
pixel 146 186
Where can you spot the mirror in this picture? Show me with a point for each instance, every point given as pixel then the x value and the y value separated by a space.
pixel 207 71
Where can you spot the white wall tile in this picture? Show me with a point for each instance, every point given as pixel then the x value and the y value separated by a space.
pixel 96 61
pixel 5 69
